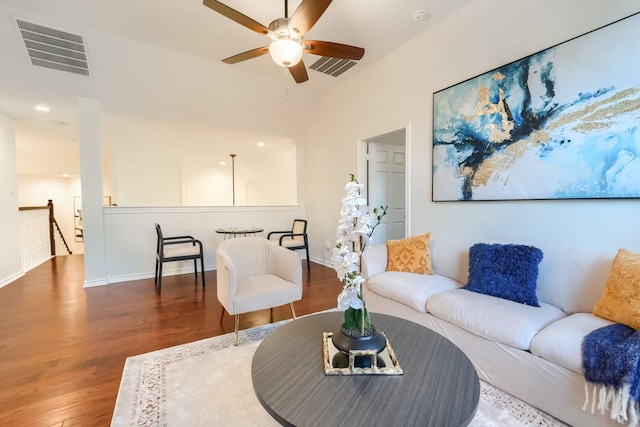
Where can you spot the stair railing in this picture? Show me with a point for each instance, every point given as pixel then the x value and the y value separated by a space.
pixel 38 232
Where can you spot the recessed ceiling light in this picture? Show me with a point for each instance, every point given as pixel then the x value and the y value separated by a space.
pixel 420 15
pixel 223 163
pixel 65 175
pixel 42 107
pixel 261 144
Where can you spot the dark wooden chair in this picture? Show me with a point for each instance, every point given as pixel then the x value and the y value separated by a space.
pixel 177 248
pixel 295 239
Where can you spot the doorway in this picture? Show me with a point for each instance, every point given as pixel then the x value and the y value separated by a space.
pixel 383 167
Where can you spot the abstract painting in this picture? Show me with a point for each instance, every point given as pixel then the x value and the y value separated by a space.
pixel 563 123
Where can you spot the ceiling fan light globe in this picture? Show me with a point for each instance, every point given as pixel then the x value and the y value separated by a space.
pixel 285 52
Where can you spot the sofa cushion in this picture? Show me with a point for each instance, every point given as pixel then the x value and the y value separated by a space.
pixel 410 289
pixel 620 301
pixel 561 341
pixel 410 255
pixel 493 318
pixel 505 271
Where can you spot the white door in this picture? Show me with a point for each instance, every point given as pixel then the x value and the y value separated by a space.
pixel 386 187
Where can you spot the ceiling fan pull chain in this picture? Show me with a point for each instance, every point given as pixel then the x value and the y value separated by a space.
pixel 286 87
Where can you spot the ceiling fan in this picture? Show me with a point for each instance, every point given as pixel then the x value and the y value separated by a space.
pixel 286 34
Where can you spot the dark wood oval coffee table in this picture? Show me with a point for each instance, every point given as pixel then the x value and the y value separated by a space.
pixel 439 387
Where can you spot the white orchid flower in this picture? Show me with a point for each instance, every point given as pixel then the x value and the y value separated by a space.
pixel 351 185
pixel 344 301
pixel 352 258
pixel 348 298
pixel 354 301
pixel 353 235
pixel 368 219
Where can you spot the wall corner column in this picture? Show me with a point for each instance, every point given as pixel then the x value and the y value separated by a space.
pixel 90 142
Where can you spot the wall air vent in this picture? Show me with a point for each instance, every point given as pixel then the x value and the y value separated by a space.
pixel 55 49
pixel 332 66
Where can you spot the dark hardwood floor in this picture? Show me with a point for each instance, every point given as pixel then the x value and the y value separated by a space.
pixel 63 347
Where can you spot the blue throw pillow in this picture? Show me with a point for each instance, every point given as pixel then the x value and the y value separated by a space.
pixel 505 271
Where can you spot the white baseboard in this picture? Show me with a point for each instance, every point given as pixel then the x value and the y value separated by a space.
pixel 11 278
pixel 94 282
pixel 149 275
pixel 321 261
pixel 166 273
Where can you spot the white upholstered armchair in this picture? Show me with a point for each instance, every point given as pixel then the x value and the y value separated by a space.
pixel 255 274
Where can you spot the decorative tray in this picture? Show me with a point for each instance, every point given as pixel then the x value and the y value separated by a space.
pixel 358 362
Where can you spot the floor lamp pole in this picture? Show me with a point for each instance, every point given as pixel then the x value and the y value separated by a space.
pixel 233 178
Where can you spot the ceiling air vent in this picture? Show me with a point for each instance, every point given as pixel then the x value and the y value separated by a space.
pixel 332 66
pixel 55 49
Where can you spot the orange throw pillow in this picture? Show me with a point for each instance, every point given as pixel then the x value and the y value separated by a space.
pixel 410 255
pixel 620 301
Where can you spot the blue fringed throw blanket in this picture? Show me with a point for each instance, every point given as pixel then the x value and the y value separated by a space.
pixel 611 366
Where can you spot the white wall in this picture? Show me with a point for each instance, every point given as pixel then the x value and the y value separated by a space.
pixel 398 90
pixel 10 264
pixel 150 161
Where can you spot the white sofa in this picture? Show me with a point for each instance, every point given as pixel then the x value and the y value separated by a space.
pixel 533 353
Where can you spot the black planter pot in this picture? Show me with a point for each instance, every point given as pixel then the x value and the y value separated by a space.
pixel 345 340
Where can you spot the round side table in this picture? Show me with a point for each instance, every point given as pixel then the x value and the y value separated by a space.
pixel 439 387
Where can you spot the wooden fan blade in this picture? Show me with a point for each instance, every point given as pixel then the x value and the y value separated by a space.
pixel 307 14
pixel 299 72
pixel 250 54
pixel 236 16
pixel 333 50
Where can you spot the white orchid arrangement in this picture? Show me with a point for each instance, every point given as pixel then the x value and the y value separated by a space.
pixel 354 232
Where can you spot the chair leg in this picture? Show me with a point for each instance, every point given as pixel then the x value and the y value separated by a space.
pixel 159 278
pixel 155 278
pixel 293 310
pixel 308 261
pixel 195 267
pixel 235 336
pixel 222 315
pixel 202 269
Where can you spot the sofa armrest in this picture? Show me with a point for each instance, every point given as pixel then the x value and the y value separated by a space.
pixel 374 260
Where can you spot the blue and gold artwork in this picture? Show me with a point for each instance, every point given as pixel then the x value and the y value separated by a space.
pixel 563 123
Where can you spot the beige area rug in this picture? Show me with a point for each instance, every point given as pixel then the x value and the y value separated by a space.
pixel 208 383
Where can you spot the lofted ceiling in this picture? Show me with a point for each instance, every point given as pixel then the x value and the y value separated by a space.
pixel 161 60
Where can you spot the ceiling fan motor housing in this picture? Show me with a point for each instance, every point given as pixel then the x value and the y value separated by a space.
pixel 280 29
